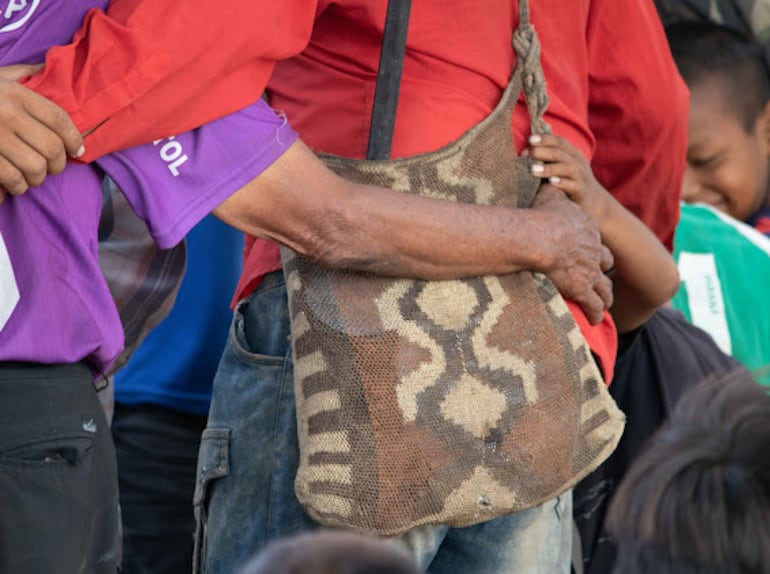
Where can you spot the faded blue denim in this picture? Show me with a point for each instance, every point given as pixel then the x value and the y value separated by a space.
pixel 244 495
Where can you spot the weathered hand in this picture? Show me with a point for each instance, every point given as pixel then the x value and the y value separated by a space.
pixel 577 258
pixel 36 135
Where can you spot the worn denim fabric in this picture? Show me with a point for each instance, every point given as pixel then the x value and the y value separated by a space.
pixel 244 495
pixel 534 541
pixel 248 458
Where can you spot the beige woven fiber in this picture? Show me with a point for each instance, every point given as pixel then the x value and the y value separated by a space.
pixel 448 402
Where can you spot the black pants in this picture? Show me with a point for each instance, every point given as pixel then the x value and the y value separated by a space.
pixel 58 479
pixel 666 358
pixel 157 451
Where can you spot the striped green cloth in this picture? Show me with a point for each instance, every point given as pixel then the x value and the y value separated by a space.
pixel 725 269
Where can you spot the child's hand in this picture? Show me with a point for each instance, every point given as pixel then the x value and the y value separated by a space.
pixel 566 168
pixel 645 275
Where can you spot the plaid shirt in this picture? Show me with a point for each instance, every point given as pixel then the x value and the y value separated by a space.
pixel 143 279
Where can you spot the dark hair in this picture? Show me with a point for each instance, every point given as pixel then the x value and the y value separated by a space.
pixel 332 552
pixel 698 499
pixel 702 50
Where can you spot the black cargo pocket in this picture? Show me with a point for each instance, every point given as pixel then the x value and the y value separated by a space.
pixel 44 496
pixel 49 452
pixel 213 463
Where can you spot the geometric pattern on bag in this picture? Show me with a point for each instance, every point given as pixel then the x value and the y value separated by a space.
pixel 444 402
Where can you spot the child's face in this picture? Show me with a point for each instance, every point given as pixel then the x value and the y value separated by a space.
pixel 727 166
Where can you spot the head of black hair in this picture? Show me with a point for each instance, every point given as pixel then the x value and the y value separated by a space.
pixel 703 50
pixel 698 499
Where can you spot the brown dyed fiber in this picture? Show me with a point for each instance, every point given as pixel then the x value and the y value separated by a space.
pixel 444 402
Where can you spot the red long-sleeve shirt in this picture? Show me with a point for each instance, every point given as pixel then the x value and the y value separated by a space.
pixel 149 69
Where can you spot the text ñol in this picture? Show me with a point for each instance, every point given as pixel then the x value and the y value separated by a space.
pixel 172 153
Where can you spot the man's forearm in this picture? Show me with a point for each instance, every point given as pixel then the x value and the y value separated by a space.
pixel 300 203
pixel 401 235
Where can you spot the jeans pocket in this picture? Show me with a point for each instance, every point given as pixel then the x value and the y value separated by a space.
pixel 213 463
pixel 260 330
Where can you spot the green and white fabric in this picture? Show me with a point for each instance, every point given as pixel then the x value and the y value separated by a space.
pixel 724 265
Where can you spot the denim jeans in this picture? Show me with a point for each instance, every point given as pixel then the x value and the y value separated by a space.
pixel 248 458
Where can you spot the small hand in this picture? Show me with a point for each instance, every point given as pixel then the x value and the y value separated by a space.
pixel 564 167
pixel 36 135
pixel 578 257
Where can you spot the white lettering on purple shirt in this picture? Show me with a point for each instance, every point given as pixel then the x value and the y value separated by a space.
pixel 9 290
pixel 172 153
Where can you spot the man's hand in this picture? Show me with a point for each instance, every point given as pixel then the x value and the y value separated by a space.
pixel 36 135
pixel 578 258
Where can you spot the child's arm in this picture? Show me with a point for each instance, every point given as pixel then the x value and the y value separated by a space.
pixel 645 275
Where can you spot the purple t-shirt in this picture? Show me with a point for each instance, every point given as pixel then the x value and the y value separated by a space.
pixel 65 313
